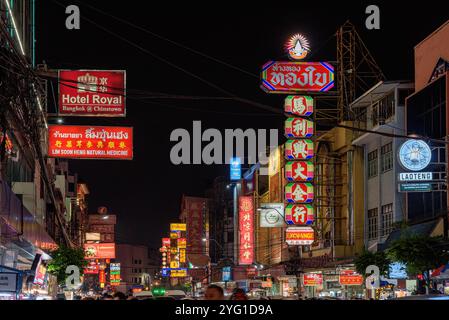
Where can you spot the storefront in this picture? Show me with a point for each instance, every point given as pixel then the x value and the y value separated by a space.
pixel 339 283
pixel 288 286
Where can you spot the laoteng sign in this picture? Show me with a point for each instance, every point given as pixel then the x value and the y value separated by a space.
pixel 292 77
pixel 92 93
pixel 415 176
pixel 415 155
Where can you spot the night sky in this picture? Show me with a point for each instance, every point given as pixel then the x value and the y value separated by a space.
pixel 145 193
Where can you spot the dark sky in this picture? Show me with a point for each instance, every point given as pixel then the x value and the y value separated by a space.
pixel 145 193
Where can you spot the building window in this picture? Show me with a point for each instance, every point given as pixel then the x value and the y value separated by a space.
pixel 372 224
pixel 372 164
pixel 387 219
pixel 387 157
pixel 402 94
pixel 383 110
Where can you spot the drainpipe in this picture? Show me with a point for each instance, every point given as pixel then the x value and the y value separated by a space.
pixel 365 196
pixel 350 155
pixel 445 218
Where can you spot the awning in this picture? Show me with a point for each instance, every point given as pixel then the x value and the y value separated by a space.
pixel 198 260
pixel 421 229
pixel 441 272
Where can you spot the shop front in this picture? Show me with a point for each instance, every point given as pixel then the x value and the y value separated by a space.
pixel 288 286
pixel 335 283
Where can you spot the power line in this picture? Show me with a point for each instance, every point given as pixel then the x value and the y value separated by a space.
pixel 157 57
pixel 171 41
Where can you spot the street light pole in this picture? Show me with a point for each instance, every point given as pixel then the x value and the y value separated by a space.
pixel 209 269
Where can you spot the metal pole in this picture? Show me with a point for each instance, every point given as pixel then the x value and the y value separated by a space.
pixel 445 219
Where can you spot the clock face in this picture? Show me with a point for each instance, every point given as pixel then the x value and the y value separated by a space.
pixel 272 217
pixel 415 155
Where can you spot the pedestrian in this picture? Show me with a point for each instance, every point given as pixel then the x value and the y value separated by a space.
pixel 119 296
pixel 239 294
pixel 107 297
pixel 214 292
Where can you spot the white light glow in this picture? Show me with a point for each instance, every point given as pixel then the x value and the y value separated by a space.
pixel 15 27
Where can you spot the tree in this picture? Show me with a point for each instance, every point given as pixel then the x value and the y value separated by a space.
pixel 367 258
pixel 420 254
pixel 64 257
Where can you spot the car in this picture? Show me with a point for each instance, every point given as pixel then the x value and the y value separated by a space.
pixel 425 297
pixel 143 295
pixel 176 294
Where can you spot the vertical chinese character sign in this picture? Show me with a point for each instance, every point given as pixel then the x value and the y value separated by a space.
pixel 195 208
pixel 246 230
pixel 299 172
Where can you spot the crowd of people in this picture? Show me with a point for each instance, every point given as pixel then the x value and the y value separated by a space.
pixel 214 292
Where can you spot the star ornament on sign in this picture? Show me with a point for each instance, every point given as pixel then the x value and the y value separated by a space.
pixel 297 47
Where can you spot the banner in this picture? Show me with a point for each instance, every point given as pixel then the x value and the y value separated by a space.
pixel 93 236
pixel 114 274
pixel 301 106
pixel 292 77
pixel 90 142
pixel 272 215
pixel 299 236
pixel 350 278
pixel 178 227
pixel 298 128
pixel 299 149
pixel 313 279
pixel 101 219
pixel 299 214
pixel 99 250
pixel 92 93
pixel 195 210
pixel 299 170
pixel 299 193
pixel 246 230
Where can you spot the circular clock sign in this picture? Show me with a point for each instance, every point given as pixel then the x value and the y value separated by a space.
pixel 272 217
pixel 415 155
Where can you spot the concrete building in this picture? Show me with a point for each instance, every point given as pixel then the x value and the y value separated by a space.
pixel 427 115
pixel 382 110
pixel 136 266
pixel 221 220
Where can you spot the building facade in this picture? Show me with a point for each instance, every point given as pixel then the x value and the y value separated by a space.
pixel 383 110
pixel 136 266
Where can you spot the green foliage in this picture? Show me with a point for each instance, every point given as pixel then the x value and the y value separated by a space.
pixel 419 253
pixel 368 258
pixel 64 257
